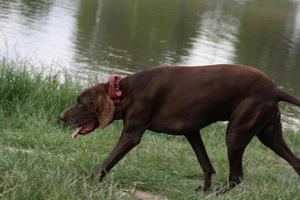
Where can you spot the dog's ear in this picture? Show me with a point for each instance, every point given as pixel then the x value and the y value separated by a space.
pixel 106 110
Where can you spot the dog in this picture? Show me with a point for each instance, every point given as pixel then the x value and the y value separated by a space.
pixel 181 101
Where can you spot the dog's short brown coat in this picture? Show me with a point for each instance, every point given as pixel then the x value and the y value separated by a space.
pixel 181 101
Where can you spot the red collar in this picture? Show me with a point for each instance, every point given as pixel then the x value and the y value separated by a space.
pixel 115 93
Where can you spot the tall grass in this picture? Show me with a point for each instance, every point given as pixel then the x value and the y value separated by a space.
pixel 39 160
pixel 25 93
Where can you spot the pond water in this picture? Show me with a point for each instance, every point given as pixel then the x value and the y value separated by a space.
pixel 97 37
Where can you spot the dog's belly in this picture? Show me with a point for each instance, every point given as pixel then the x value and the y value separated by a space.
pixel 178 126
pixel 174 128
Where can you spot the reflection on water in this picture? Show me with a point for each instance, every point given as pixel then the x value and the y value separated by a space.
pixel 97 37
pixel 136 34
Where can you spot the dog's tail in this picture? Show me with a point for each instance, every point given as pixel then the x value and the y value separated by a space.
pixel 283 96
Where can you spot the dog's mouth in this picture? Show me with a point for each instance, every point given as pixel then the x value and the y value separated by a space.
pixel 85 128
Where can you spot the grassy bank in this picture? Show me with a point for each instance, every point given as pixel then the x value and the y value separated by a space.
pixel 39 160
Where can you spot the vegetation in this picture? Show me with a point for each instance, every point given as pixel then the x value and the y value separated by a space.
pixel 39 160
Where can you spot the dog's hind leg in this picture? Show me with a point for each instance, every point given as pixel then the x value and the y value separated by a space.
pixel 249 118
pixel 196 142
pixel 236 141
pixel 271 136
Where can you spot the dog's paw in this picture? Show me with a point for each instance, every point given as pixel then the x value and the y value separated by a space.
pixel 98 175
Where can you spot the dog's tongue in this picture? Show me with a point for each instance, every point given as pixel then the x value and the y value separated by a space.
pixel 76 132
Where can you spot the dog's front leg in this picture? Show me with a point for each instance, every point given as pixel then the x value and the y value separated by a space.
pixel 127 141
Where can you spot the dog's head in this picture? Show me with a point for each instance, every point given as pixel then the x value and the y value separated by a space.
pixel 93 108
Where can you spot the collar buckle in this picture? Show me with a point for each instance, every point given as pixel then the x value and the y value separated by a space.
pixel 115 93
pixel 114 87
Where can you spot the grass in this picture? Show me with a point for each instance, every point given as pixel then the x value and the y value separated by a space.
pixel 39 160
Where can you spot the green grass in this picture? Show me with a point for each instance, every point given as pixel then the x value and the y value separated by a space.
pixel 39 160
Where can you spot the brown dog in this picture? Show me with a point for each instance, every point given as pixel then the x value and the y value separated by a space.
pixel 181 101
